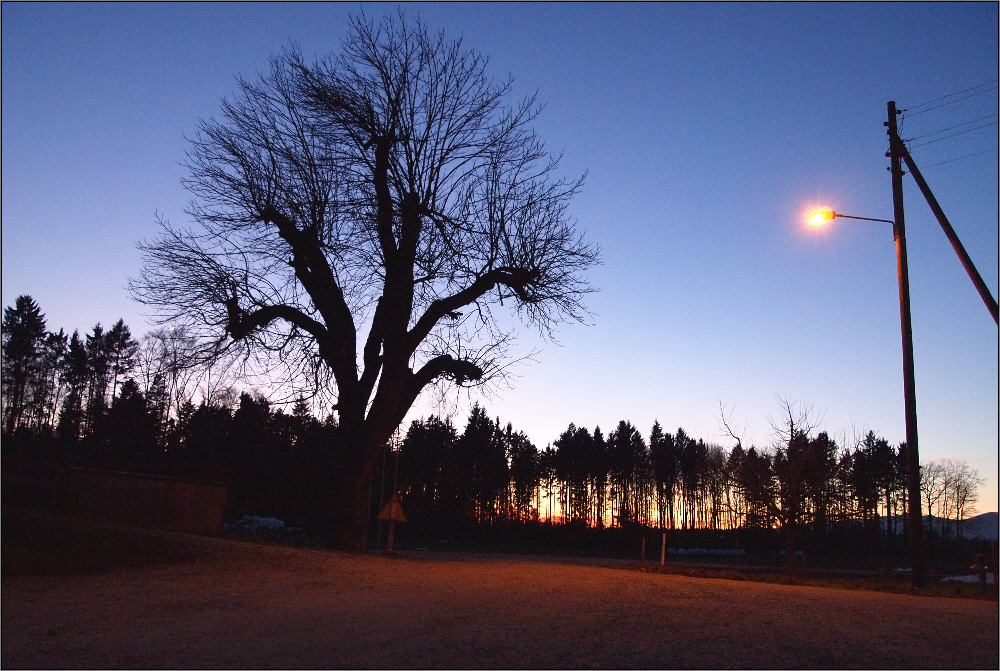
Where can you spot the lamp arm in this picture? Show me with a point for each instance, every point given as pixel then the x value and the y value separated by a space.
pixel 847 216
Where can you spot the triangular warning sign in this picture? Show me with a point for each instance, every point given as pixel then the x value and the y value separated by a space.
pixel 393 511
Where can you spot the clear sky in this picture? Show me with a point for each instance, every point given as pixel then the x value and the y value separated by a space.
pixel 709 132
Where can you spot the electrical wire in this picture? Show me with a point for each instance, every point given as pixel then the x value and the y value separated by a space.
pixel 958 125
pixel 950 95
pixel 952 102
pixel 985 125
pixel 952 160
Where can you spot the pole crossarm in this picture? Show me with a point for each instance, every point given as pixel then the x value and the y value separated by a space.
pixel 970 268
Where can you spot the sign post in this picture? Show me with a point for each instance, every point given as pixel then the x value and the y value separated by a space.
pixel 393 512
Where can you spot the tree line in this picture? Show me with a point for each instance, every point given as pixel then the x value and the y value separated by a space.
pixel 491 472
pixel 107 400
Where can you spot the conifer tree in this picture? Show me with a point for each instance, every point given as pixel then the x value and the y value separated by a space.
pixel 23 347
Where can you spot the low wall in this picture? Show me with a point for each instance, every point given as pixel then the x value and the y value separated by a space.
pixel 149 501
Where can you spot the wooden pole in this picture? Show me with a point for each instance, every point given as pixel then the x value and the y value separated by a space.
pixel 909 388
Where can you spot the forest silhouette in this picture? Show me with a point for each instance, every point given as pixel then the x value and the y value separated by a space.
pixel 106 400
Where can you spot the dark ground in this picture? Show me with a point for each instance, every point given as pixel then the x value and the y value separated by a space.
pixel 84 595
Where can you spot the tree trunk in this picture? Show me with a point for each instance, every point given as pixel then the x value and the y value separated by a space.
pixel 355 464
pixel 349 524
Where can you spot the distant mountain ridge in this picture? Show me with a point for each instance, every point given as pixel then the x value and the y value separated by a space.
pixel 984 527
pixel 981 527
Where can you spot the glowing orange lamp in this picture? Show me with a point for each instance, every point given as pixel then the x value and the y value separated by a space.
pixel 818 217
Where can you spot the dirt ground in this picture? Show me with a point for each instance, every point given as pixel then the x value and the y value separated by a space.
pixel 225 604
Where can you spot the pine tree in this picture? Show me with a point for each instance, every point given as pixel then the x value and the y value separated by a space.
pixel 23 344
pixel 122 350
pixel 76 373
pixel 524 473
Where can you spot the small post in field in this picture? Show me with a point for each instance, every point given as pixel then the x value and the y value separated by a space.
pixel 393 512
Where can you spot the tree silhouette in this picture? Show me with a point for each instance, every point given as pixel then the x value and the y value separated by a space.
pixel 799 463
pixel 23 346
pixel 130 438
pixel 424 458
pixel 77 375
pixel 932 486
pixel 524 474
pixel 691 457
pixel 599 468
pixel 480 471
pixel 715 483
pixel 664 461
pixel 547 481
pixel 122 350
pixel 145 419
pixel 629 465
pixel 165 363
pixel 873 478
pixel 391 186
pixel 572 463
pixel 52 380
pixel 965 483
pixel 819 478
pixel 737 492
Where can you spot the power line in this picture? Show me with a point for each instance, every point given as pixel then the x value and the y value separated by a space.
pixel 958 125
pixel 950 95
pixel 952 102
pixel 985 125
pixel 952 160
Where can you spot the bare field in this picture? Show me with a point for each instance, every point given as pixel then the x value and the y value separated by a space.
pixel 225 604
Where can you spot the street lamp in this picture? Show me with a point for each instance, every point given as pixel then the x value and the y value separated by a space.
pixel 915 518
pixel 897 154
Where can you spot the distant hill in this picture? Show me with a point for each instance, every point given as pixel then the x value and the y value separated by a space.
pixel 981 527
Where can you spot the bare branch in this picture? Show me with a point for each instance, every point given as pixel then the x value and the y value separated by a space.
pixel 394 186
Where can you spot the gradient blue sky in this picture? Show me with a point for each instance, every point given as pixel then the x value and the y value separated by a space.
pixel 708 131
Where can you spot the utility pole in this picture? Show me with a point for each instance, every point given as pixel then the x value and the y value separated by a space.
pixel 909 388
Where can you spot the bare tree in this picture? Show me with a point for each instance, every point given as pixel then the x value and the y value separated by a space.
pixel 390 189
pixel 795 455
pixel 933 487
pixel 963 483
pixel 946 504
pixel 169 356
